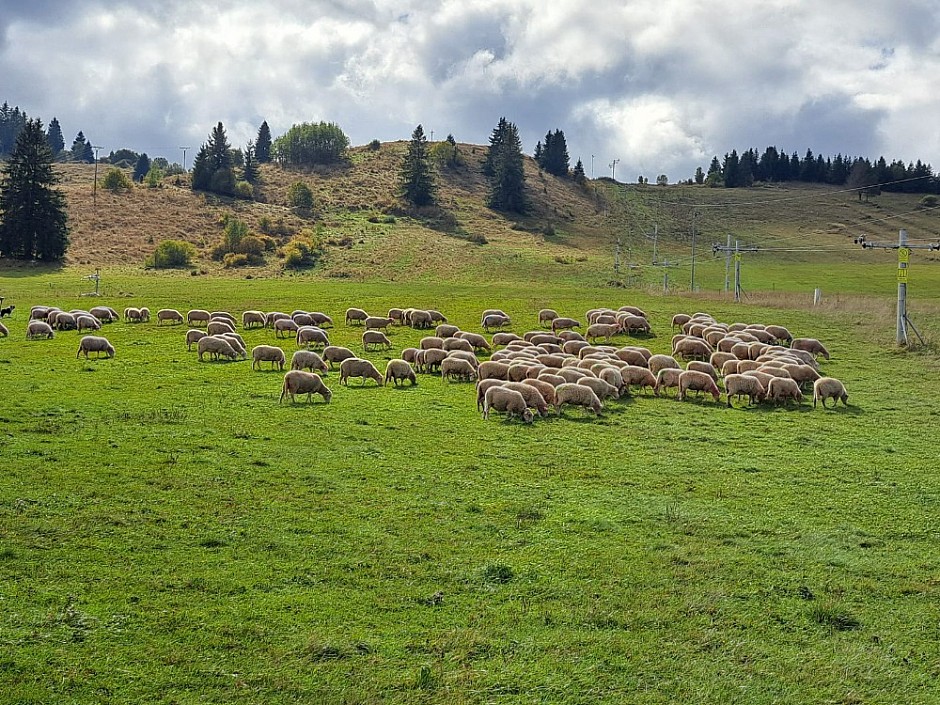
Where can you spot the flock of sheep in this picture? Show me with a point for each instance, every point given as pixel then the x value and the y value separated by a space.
pixel 553 366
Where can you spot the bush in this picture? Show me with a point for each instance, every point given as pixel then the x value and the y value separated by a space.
pixel 116 180
pixel 375 145
pixel 172 254
pixel 930 201
pixel 302 252
pixel 244 190
pixel 154 177
pixel 251 246
pixel 477 239
pixel 308 144
pixel 232 260
pixel 300 196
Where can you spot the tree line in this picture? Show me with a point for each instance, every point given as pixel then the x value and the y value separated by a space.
pixel 774 165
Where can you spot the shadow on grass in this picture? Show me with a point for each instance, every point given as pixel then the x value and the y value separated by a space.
pixel 16 269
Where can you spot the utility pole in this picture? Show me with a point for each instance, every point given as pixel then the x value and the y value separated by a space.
pixel 617 257
pixel 654 239
pixel 592 167
pixel 613 169
pixel 737 272
pixel 694 214
pixel 904 259
pixel 185 149
pixel 94 189
pixel 736 257
pixel 728 265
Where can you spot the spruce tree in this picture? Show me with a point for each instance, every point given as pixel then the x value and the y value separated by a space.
pixel 555 154
pixel 507 176
pixel 578 173
pixel 54 138
pixel 213 166
pixel 88 153
pixel 33 221
pixel 263 144
pixel 142 167
pixel 12 121
pixel 250 163
pixel 202 175
pixel 416 176
pixel 78 147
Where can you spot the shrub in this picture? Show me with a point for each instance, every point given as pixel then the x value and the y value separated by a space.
pixel 375 145
pixel 311 143
pixel 232 260
pixel 244 190
pixel 251 246
pixel 930 201
pixel 172 254
pixel 300 196
pixel 154 177
pixel 302 252
pixel 116 180
pixel 477 239
pixel 264 225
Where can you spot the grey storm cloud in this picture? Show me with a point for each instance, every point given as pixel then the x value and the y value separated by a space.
pixel 661 86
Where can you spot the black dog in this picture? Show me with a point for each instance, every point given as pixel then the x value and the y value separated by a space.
pixel 6 311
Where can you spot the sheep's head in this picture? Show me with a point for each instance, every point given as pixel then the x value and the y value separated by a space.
pixel 527 415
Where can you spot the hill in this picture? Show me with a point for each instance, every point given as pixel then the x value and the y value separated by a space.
pixel 568 235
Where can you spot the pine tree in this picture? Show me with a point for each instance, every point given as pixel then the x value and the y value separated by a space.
pixel 54 138
pixel 78 147
pixel 537 154
pixel 88 153
pixel 250 163
pixel 12 122
pixel 34 220
pixel 729 169
pixel 213 166
pixel 578 173
pixel 507 176
pixel 142 167
pixel 202 176
pixel 263 144
pixel 555 154
pixel 416 176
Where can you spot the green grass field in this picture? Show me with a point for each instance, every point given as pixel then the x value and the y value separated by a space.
pixel 169 533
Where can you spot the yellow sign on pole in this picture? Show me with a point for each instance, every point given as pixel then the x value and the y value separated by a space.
pixel 904 255
pixel 902 275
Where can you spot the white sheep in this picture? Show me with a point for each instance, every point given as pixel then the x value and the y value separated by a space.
pixel 602 330
pixel 87 323
pixel 357 367
pixel 375 338
pixel 602 389
pixel 505 338
pixel 495 320
pixel 446 330
pixel 783 389
pixel 336 353
pixel 39 329
pixel 533 397
pixel 744 385
pixel 547 315
pixel 509 401
pixel 307 360
pixel 311 335
pixel 197 315
pixel 219 326
pixel 266 353
pixel 810 345
pixel 493 370
pixel 668 378
pixel 639 377
pixel 476 340
pixel 562 323
pixel 309 383
pixel 237 343
pixel 694 381
pixel 169 314
pixel 194 335
pixel 355 315
pixel 216 347
pixel 398 371
pixel 95 344
pixel 456 368
pixel 577 395
pixel 457 344
pixel 284 326
pixel 251 319
pixel 378 323
pixel 829 388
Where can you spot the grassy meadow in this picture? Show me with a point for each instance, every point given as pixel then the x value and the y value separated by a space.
pixel 170 533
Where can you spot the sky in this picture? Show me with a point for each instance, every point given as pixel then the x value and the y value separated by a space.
pixel 661 86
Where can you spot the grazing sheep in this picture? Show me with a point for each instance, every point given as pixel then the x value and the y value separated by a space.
pixel 321 319
pixel 573 347
pixel 521 370
pixel 420 319
pixel 60 320
pixel 216 347
pixel 662 362
pixel 633 356
pixel 430 341
pixel 802 374
pixel 602 389
pixel 774 371
pixel 222 314
pixel 307 360
pixel 556 361
pixel 145 314
pixel 396 315
pixel 553 379
pixel 668 378
pixel 375 338
pixel 432 359
pixel 194 336
pixel 238 345
pixel 284 327
pixel 457 344
pixel 639 377
pixel 492 312
pixel 482 386
pixel 495 320
pixel 3 331
pixel 810 345
pixel 633 310
pixel 455 368
pixel 446 330
pixel 680 319
pixel 311 335
pixel 718 359
pixel 533 397
pixel 780 333
pixel 562 323
pixel 727 343
pixel 505 338
pixel 266 353
pixel 408 354
pixel 761 377
pixel 251 319
pixel 829 388
pixel 87 323
pixel 39 313
pixel 218 326
pixel 550 349
pixel 602 330
pixel 572 375
pixel 744 385
pixel 730 367
pixel 634 324
pixel 197 315
pixel 694 381
pixel 273 317
pixel 567 335
pixel 606 318
pixel 492 370
pixel 783 390
pixel 509 401
pixel 39 329
pixel 169 314
pixel 747 366
pixel 577 395
pixel 692 349
pixel 357 367
pixel 104 314
pixel 398 371
pixel 475 339
pixel 378 323
pixel 302 319
pixel 545 338
pixel 547 315
pixel 95 344
pixel 613 377
pixel 436 316
pixel 309 383
pixel 355 315
pixel 546 389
